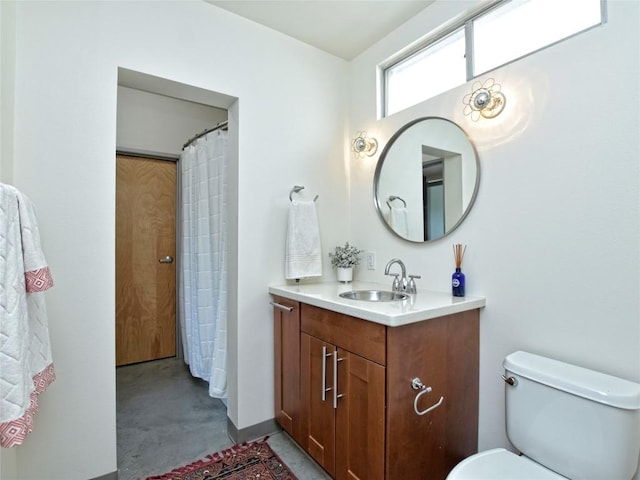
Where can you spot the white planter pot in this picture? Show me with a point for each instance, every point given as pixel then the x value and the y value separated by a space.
pixel 345 275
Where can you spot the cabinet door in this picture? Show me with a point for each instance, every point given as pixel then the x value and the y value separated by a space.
pixel 360 418
pixel 443 353
pixel 286 315
pixel 317 399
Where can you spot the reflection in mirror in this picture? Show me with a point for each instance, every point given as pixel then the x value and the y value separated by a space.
pixel 426 179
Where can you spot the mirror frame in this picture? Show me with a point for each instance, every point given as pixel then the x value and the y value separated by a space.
pixel 376 178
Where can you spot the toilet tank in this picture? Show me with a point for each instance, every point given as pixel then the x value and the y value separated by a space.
pixel 577 422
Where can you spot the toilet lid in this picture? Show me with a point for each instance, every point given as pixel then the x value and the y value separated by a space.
pixel 501 464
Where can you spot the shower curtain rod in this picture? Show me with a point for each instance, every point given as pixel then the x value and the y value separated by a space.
pixel 221 125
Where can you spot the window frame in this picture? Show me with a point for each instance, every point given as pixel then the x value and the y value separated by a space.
pixel 466 24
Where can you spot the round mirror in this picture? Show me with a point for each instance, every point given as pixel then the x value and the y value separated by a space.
pixel 426 179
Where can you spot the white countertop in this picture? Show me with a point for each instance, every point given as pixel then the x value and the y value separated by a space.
pixel 424 305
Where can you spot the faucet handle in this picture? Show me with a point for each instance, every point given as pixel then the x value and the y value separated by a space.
pixel 412 288
pixel 395 286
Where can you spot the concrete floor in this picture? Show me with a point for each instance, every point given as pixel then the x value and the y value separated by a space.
pixel 165 419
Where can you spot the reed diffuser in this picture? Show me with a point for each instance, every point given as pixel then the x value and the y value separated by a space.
pixel 457 279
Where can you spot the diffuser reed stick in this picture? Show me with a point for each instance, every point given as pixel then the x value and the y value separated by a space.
pixel 458 253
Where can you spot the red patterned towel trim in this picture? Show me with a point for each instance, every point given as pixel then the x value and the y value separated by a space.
pixel 14 432
pixel 38 280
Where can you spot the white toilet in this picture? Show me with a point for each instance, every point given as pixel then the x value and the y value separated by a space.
pixel 568 422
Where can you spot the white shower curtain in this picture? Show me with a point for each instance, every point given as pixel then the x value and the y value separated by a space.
pixel 203 276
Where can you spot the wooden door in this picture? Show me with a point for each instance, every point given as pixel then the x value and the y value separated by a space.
pixel 360 419
pixel 320 424
pixel 287 365
pixel 145 269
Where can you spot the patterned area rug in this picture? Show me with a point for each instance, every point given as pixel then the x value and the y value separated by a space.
pixel 241 462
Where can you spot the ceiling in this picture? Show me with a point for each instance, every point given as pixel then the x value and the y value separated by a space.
pixel 341 27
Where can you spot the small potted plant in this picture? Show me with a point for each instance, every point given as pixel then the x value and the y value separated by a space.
pixel 344 258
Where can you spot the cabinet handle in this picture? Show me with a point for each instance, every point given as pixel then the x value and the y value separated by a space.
pixel 282 307
pixel 335 379
pixel 324 372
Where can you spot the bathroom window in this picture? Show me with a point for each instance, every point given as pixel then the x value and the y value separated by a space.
pixel 427 73
pixel 486 39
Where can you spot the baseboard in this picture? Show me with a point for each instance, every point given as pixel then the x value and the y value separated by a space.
pixel 254 432
pixel 108 476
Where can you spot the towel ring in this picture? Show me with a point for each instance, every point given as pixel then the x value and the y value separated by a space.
pixel 296 189
pixel 395 197
pixel 417 384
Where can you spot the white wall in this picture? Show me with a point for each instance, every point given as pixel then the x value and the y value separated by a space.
pixel 152 123
pixel 289 113
pixel 553 238
pixel 7 88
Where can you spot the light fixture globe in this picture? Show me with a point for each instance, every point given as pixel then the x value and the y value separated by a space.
pixel 363 145
pixel 359 144
pixel 481 99
pixel 495 106
pixel 485 100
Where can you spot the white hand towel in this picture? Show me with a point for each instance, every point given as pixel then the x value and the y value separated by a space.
pixel 303 256
pixel 398 219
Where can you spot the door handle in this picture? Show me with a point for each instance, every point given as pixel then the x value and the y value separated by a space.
pixel 167 259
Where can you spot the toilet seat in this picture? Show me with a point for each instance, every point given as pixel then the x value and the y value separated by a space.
pixel 501 464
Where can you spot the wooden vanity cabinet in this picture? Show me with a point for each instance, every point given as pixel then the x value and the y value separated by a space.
pixel 344 428
pixel 443 352
pixel 286 315
pixel 374 433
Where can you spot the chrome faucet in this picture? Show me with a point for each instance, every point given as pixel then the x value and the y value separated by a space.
pixel 401 284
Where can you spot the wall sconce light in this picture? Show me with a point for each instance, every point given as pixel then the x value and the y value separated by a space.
pixel 485 100
pixel 363 145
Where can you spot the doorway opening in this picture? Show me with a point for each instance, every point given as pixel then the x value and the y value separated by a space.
pixel 155 117
pixel 441 190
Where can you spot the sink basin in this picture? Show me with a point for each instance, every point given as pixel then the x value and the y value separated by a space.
pixel 374 295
